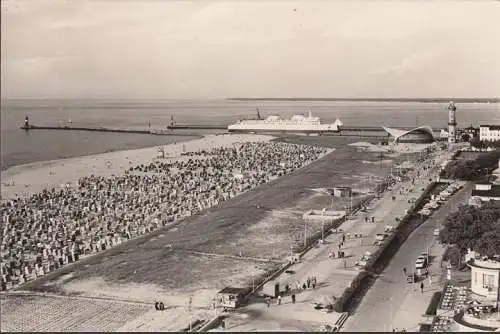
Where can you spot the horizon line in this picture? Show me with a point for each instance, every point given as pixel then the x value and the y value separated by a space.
pixel 373 99
pixel 278 99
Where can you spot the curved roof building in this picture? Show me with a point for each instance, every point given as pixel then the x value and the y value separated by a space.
pixel 421 134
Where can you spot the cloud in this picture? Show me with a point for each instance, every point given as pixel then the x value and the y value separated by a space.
pixel 218 49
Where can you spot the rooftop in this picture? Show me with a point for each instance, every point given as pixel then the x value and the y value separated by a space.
pixel 486 264
pixel 491 127
pixel 493 192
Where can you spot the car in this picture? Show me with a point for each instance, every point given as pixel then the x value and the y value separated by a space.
pixel 421 262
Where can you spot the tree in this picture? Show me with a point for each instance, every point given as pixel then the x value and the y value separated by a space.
pixel 472 169
pixel 474 228
pixel 465 137
pixel 484 143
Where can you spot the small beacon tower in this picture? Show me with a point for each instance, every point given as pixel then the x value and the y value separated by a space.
pixel 452 123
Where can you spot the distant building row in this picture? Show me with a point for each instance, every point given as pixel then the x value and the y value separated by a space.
pixel 489 132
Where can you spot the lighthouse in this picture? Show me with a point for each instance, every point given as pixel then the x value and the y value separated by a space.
pixel 452 123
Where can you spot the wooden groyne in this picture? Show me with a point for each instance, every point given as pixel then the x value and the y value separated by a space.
pixel 104 129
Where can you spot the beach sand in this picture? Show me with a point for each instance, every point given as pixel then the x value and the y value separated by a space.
pixel 29 179
pixel 144 269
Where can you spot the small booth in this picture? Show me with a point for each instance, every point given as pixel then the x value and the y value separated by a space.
pixel 231 298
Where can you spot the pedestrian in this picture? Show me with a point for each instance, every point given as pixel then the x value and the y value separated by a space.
pixel 426 274
pixel 308 282
pixel 223 324
pixel 287 288
pixel 404 271
pixel 304 286
pixel 268 301
pixel 340 245
pixel 293 299
pixel 422 287
pixel 343 238
pixel 157 307
pixel 345 263
pixel 279 300
pixel 162 306
pixel 314 285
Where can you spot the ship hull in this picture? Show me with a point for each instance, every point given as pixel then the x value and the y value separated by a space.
pixel 242 130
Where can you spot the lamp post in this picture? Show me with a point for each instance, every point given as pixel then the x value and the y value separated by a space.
pixel 390 314
pixel 323 225
pixel 305 233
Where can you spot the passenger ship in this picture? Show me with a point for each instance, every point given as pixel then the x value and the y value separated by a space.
pixel 298 123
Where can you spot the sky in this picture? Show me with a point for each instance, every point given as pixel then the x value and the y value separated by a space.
pixel 219 49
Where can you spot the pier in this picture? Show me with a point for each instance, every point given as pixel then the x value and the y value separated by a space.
pixel 170 130
pixel 197 127
pixel 159 132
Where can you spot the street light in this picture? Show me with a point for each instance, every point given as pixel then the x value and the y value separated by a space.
pixel 391 318
pixel 323 225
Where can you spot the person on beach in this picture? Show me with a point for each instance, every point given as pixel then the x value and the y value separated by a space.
pixel 98 211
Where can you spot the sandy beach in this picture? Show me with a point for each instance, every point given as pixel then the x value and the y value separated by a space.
pixel 28 179
pixel 219 248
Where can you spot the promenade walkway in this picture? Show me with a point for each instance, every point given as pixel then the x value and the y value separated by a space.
pixel 334 275
pixel 392 303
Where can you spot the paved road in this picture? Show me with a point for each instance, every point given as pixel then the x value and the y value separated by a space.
pixel 391 302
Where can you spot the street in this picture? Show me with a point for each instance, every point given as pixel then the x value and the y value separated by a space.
pixel 393 303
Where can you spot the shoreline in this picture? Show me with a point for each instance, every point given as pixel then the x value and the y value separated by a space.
pixel 38 163
pixel 25 180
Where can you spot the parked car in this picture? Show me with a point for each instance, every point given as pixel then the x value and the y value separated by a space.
pixel 421 262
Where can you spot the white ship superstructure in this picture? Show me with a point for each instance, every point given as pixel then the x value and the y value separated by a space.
pixel 298 123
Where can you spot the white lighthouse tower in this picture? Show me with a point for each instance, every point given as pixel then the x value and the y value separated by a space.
pixel 452 123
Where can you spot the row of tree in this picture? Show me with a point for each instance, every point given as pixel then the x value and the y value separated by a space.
pixel 476 228
pixel 483 144
pixel 472 169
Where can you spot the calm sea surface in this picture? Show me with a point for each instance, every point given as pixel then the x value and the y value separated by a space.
pixel 20 147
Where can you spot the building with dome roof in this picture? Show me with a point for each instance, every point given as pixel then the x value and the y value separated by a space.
pixel 421 135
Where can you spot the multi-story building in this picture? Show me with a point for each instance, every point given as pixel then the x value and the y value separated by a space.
pixel 489 132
